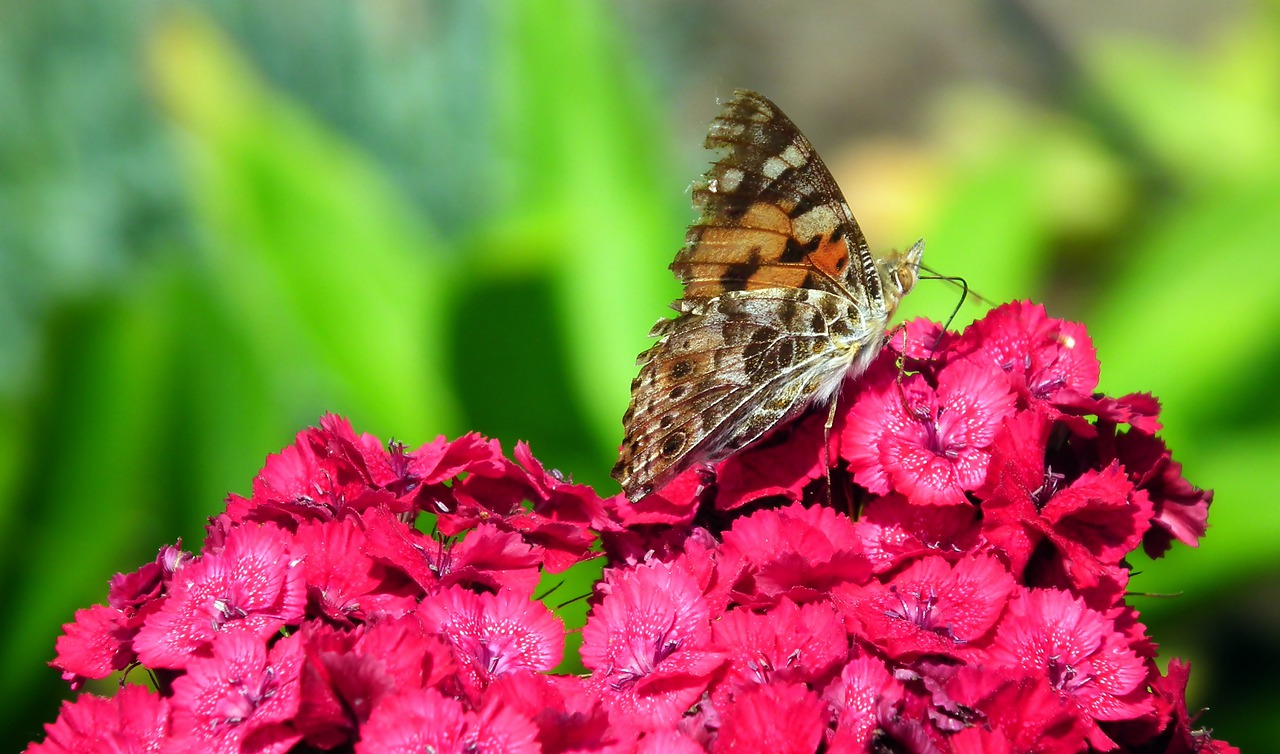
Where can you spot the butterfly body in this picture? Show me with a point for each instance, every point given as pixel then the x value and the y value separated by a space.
pixel 782 301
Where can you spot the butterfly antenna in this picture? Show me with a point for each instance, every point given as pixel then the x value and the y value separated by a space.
pixel 965 293
pixel 955 280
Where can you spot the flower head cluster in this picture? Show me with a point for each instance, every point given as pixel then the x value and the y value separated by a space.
pixel 975 603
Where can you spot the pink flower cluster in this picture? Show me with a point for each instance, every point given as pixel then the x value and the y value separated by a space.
pixel 975 603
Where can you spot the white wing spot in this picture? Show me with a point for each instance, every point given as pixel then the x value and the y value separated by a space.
pixel 774 167
pixel 731 179
pixel 727 129
pixel 793 156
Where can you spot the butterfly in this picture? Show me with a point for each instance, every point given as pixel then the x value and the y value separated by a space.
pixel 782 302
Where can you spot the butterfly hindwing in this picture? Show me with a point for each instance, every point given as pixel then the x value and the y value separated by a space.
pixel 723 375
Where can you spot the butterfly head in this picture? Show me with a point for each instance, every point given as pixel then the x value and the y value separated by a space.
pixel 899 271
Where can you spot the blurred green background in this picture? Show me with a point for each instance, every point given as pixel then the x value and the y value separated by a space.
pixel 219 220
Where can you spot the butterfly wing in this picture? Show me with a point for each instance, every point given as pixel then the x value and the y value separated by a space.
pixel 722 376
pixel 771 214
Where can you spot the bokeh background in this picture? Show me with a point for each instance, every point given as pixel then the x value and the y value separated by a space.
pixel 219 220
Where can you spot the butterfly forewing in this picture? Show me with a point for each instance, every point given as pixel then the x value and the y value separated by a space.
pixel 771 214
pixel 782 299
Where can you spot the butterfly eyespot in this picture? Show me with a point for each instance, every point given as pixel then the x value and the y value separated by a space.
pixel 673 445
pixel 678 392
pixel 666 421
pixel 758 346
pixel 681 369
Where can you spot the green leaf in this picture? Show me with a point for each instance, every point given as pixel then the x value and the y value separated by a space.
pixel 1195 300
pixel 92 503
pixel 596 207
pixel 342 289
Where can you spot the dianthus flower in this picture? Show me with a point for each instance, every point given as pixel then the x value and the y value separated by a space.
pixel 955 581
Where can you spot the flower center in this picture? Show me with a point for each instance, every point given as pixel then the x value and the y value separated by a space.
pixel 1064 677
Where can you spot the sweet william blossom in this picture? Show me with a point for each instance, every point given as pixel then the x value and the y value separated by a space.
pixel 863 697
pixel 1083 656
pixel 648 645
pixel 1047 360
pixel 241 697
pixel 777 717
pixel 931 608
pixel 955 582
pixel 135 719
pixel 252 586
pixel 931 443
pixel 494 634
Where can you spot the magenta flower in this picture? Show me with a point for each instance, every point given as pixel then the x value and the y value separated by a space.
pixel 1080 652
pixel 349 673
pixel 1014 713
pixel 252 586
pixel 929 443
pixel 1047 360
pixel 416 721
pixel 494 634
pixel 805 644
pixel 423 720
pixel 94 645
pixel 239 698
pixel 1180 510
pixel 345 583
pixel 773 717
pixel 931 608
pixel 649 643
pixel 894 532
pixel 863 697
pixel 794 552
pixel 134 720
pixel 1063 532
pixel 960 587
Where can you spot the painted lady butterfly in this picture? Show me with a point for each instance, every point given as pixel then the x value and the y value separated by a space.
pixel 782 301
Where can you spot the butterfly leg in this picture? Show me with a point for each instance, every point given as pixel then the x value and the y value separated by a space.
pixel 826 445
